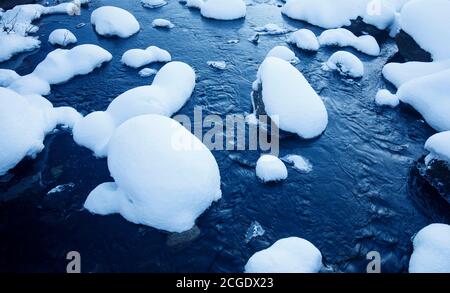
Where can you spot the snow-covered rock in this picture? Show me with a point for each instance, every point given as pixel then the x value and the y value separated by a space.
pixel 346 64
pixel 195 3
pixel 60 66
pixel 431 250
pixel 164 23
pixel 305 39
pixel 164 176
pixel 427 22
pixel 224 10
pixel 171 88
pixel 112 21
pixel 153 3
pixel 221 65
pixel 344 38
pixel 284 53
pixel 7 77
pixel 12 44
pixel 429 95
pixel 439 147
pixel 288 255
pixel 289 99
pixel 270 168
pixel 386 98
pixel 137 57
pixel 146 72
pixel 299 163
pixel 24 122
pixel 62 37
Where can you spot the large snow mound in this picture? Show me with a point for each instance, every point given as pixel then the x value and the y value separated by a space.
pixel 289 99
pixel 270 168
pixel 427 22
pixel 342 37
pixel 439 147
pixel 171 88
pixel 289 255
pixel 12 44
pixel 112 21
pixel 430 96
pixel 137 57
pixel 164 176
pixel 346 64
pixel 24 122
pixel 431 250
pixel 62 37
pixel 223 10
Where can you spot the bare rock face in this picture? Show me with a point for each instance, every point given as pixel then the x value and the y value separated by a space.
pixel 410 50
pixel 359 27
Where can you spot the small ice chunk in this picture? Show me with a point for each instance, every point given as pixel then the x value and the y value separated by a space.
pixel 164 23
pixel 221 65
pixel 270 168
pixel 299 163
pixel 153 3
pixel 147 72
pixel 62 37
pixel 386 98
pixel 61 188
pixel 255 230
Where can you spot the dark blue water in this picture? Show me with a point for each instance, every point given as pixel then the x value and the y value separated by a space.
pixel 363 193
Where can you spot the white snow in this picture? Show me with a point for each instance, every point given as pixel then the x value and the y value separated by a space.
pixel 290 100
pixel 346 64
pixel 305 39
pixel 288 255
pixel 429 95
pixel 431 250
pixel 284 53
pixel 112 21
pixel 153 3
pixel 334 14
pixel 271 29
pixel 12 44
pixel 62 37
pixel 270 168
pixel 137 57
pixel 61 188
pixel 195 3
pixel 7 77
pixel 171 88
pixel 221 65
pixel 60 66
pixel 299 163
pixel 386 98
pixel 427 22
pixel 157 183
pixel 24 122
pixel 439 147
pixel 344 38
pixel 146 72
pixel 224 10
pixel 164 23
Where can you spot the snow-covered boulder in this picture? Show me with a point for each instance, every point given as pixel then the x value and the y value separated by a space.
pixel 172 87
pixel 7 77
pixel 386 98
pixel 425 24
pixel 346 64
pixel 62 37
pixel 164 23
pixel 164 176
pixel 270 168
pixel 430 96
pixel 112 21
pixel 344 38
pixel 284 53
pixel 24 122
pixel 284 94
pixel 60 66
pixel 12 44
pixel 137 57
pixel 289 255
pixel 431 250
pixel 153 3
pixel 305 39
pixel 439 147
pixel 224 10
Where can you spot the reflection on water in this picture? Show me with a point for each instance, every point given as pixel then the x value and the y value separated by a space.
pixel 356 199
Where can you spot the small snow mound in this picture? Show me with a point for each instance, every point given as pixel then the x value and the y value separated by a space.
pixel 284 53
pixel 344 38
pixel 147 72
pixel 195 3
pixel 386 98
pixel 439 147
pixel 288 255
pixel 270 168
pixel 305 39
pixel 300 163
pixel 346 64
pixel 153 3
pixel 224 10
pixel 112 21
pixel 221 65
pixel 156 183
pixel 137 57
pixel 62 37
pixel 431 250
pixel 163 23
pixel 271 29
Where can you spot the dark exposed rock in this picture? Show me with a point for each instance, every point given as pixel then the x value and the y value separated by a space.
pixel 359 27
pixel 410 50
pixel 8 4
